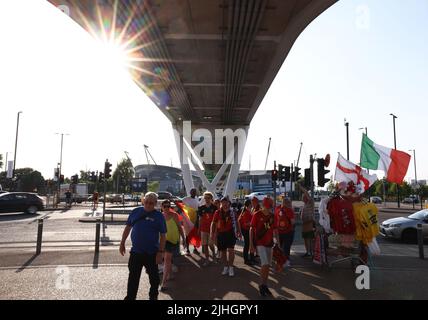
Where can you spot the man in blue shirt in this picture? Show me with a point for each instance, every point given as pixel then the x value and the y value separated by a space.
pixel 148 245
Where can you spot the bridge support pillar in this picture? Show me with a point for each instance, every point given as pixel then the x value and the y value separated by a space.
pixel 214 151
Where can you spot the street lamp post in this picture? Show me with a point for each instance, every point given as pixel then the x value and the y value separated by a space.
pixel 347 139
pixel 60 163
pixel 416 176
pixel 395 147
pixel 16 143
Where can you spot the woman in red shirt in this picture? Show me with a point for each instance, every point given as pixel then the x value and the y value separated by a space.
pixel 284 224
pixel 245 224
pixel 226 226
pixel 262 227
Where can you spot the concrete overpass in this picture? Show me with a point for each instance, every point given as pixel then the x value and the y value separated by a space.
pixel 206 64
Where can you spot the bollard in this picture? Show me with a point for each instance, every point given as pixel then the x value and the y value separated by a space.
pixel 420 241
pixel 97 235
pixel 39 236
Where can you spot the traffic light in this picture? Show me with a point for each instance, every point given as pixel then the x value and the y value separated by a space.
pixel 296 173
pixel 284 173
pixel 93 177
pixel 75 179
pixel 101 177
pixel 274 175
pixel 61 178
pixel 107 170
pixel 322 180
pixel 308 183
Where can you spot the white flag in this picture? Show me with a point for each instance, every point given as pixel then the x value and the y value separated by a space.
pixel 347 171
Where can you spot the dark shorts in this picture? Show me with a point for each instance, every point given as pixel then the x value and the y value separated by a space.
pixel 308 235
pixel 170 247
pixel 226 240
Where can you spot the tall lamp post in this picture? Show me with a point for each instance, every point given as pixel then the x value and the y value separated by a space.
pixel 347 139
pixel 60 163
pixel 395 147
pixel 16 143
pixel 416 176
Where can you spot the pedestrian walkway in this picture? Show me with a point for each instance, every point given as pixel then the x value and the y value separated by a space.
pixel 80 274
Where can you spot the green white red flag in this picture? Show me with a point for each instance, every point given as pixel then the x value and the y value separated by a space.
pixel 395 163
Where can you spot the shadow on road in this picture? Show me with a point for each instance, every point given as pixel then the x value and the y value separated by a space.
pixel 27 263
pixel 6 217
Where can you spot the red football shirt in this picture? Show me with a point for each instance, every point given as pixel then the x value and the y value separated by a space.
pixel 223 221
pixel 283 217
pixel 341 215
pixel 245 219
pixel 206 215
pixel 261 222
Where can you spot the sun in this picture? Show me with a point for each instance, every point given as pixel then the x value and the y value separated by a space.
pixel 113 56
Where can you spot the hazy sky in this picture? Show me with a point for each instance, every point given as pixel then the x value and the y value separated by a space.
pixel 360 60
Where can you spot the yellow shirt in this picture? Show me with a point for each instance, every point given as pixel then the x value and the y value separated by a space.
pixel 366 221
pixel 172 234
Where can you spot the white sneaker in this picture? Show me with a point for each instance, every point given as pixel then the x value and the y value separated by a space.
pixel 231 272
pixel 174 268
pixel 225 271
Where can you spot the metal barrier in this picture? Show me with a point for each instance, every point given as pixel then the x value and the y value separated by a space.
pixel 420 241
pixel 97 235
pixel 39 236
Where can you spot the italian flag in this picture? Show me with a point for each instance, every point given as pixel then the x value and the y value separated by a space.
pixel 395 163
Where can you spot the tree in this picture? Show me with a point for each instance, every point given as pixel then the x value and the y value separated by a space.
pixel 84 176
pixel 124 174
pixel 153 186
pixel 406 190
pixel 29 180
pixel 392 190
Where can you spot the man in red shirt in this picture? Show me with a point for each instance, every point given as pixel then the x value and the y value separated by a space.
pixel 262 231
pixel 205 218
pixel 245 223
pixel 226 226
pixel 284 227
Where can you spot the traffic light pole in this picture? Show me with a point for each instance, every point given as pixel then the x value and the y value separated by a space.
pixel 291 184
pixel 312 160
pixel 104 202
pixel 274 187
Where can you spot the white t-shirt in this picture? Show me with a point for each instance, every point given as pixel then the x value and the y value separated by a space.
pixel 191 202
pixel 324 216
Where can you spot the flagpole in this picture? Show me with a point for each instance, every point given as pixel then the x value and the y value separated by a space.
pixel 395 147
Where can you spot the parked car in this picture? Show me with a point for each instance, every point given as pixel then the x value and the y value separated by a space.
pixel 376 199
pixel 21 202
pixel 411 199
pixel 258 195
pixel 114 198
pixel 163 195
pixel 405 228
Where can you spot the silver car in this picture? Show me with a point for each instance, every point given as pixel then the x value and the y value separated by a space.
pixel 405 228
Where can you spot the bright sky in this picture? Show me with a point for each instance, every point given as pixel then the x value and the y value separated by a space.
pixel 360 60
